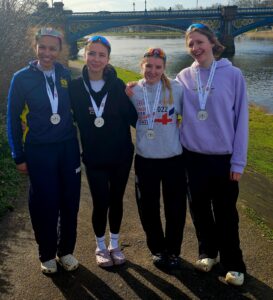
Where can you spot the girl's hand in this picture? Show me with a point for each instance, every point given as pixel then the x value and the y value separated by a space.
pixel 22 168
pixel 129 88
pixel 235 176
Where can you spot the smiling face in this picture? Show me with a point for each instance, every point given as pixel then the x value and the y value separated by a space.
pixel 152 69
pixel 96 58
pixel 200 48
pixel 47 50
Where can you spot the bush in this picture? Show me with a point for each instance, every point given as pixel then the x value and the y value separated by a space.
pixel 9 177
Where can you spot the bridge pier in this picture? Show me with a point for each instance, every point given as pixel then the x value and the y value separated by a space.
pixel 228 16
pixel 73 50
pixel 228 42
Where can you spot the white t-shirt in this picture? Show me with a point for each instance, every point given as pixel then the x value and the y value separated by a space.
pixel 97 85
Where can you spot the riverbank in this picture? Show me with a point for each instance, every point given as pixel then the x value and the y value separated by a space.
pixel 155 34
pixel 264 34
pixel 260 35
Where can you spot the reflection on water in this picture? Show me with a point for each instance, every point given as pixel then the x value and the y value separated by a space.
pixel 253 57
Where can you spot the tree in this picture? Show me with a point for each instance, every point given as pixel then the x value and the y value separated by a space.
pixel 159 8
pixel 216 5
pixel 178 7
pixel 253 3
pixel 18 23
pixel 15 51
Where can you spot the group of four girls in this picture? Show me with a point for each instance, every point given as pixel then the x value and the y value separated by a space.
pixel 208 150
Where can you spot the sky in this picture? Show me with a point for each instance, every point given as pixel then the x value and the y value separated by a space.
pixel 127 5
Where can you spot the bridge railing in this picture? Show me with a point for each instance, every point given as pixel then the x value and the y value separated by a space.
pixel 170 12
pixel 255 12
pixel 147 13
pixel 255 9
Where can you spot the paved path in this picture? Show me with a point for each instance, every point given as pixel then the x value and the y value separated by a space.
pixel 20 276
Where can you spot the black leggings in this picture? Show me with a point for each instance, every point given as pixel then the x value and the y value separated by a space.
pixel 150 174
pixel 107 186
pixel 212 201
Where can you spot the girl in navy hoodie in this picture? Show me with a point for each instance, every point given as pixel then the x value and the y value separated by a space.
pixel 47 151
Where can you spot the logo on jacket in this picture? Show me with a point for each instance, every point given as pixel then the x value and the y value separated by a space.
pixel 91 110
pixel 64 83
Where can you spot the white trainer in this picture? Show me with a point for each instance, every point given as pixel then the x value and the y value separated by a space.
pixel 49 267
pixel 68 262
pixel 205 264
pixel 117 256
pixel 235 278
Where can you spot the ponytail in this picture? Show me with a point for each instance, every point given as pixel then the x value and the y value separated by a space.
pixel 166 85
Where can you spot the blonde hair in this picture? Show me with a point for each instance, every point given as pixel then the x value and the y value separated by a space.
pixel 166 84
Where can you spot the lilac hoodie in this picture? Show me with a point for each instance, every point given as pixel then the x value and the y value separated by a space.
pixel 226 129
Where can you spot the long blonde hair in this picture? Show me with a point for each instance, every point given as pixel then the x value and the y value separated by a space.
pixel 166 84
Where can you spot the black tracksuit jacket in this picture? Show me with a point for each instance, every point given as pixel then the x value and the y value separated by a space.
pixel 110 144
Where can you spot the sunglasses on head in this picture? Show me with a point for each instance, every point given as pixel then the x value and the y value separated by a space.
pixel 199 26
pixel 155 52
pixel 100 38
pixel 49 32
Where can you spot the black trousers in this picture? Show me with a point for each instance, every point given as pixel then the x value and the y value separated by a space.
pixel 212 202
pixel 150 173
pixel 107 185
pixel 55 178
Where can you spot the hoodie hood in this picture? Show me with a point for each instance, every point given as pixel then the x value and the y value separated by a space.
pixel 109 76
pixel 33 65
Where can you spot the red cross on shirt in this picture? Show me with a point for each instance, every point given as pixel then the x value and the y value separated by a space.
pixel 164 120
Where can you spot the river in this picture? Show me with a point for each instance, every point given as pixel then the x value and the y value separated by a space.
pixel 253 57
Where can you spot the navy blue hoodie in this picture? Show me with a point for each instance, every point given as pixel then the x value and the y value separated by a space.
pixel 28 91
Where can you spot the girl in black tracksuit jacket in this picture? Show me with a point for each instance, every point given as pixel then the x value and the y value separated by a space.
pixel 107 150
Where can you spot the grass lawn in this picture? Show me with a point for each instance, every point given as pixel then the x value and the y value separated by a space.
pixel 260 151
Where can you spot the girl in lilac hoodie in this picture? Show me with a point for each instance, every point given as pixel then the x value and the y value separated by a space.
pixel 214 136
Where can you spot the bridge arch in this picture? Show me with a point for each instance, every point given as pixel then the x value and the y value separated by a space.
pixel 254 25
pixel 228 21
pixel 176 24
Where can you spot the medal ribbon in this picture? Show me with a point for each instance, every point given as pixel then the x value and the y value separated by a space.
pixel 53 97
pixel 151 116
pixel 203 95
pixel 98 111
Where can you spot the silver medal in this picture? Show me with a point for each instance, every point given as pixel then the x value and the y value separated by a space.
pixel 202 115
pixel 99 122
pixel 55 119
pixel 150 134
